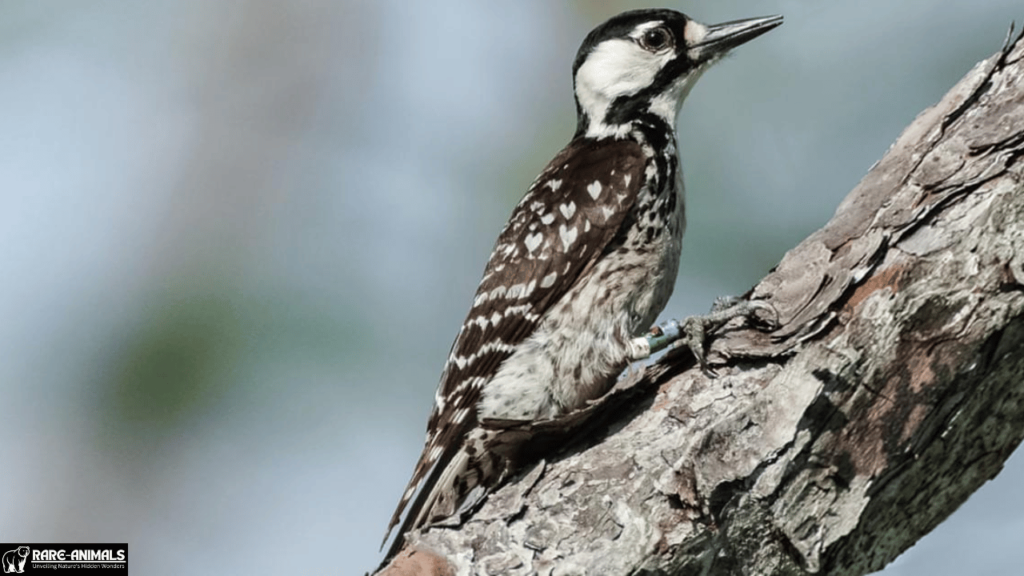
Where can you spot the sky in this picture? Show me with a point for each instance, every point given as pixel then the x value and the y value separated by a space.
pixel 238 238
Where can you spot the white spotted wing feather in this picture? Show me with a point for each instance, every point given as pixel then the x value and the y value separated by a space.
pixel 575 211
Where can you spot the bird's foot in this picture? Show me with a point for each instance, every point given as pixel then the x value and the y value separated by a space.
pixel 694 329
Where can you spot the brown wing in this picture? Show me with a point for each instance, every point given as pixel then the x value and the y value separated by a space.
pixel 570 215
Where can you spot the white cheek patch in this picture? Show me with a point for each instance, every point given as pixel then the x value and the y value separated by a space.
pixel 615 68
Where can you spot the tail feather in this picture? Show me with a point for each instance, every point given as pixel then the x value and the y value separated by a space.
pixel 428 482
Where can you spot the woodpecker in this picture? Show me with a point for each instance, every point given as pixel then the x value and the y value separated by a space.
pixel 584 265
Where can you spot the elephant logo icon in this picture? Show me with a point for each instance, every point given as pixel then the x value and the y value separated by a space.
pixel 14 560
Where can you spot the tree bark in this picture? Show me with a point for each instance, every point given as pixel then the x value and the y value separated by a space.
pixel 892 388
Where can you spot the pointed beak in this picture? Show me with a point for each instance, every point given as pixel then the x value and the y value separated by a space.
pixel 720 38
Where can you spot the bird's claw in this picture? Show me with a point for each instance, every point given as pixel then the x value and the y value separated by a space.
pixel 694 329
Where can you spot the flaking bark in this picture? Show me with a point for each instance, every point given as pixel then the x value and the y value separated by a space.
pixel 892 388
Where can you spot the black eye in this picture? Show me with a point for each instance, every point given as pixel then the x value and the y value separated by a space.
pixel 655 39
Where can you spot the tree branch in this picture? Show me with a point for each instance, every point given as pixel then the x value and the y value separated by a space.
pixel 893 388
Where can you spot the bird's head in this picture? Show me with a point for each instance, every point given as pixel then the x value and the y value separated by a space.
pixel 642 63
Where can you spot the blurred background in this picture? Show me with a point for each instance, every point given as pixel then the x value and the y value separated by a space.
pixel 237 239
